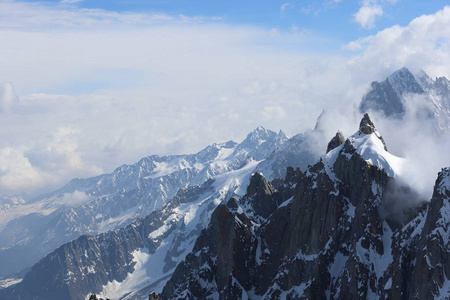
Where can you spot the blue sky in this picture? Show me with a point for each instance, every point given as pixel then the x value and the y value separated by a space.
pixel 86 86
pixel 332 18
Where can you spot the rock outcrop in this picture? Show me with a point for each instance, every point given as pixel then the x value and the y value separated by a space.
pixel 336 141
pixel 329 241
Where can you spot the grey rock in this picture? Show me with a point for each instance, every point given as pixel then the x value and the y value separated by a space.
pixel 366 126
pixel 330 241
pixel 336 141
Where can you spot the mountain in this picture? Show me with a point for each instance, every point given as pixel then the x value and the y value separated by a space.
pixel 394 95
pixel 345 228
pixel 140 257
pixel 30 230
pixel 337 237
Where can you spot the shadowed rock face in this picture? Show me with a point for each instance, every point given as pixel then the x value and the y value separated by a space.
pixel 317 234
pixel 388 96
pixel 432 267
pixel 329 241
pixel 336 141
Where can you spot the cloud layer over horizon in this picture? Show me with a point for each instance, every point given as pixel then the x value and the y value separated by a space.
pixel 86 97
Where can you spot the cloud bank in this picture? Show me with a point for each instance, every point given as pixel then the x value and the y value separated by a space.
pixel 173 84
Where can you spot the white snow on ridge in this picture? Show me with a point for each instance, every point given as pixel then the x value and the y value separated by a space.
pixel 134 281
pixel 328 161
pixel 371 148
pixel 237 180
pixel 44 208
pixel 150 268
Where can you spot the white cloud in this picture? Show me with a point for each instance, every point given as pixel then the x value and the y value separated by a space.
pixel 423 44
pixel 7 97
pixel 38 15
pixel 274 112
pixel 172 88
pixel 367 15
pixel 16 172
pixel 73 199
pixel 358 44
pixel 371 11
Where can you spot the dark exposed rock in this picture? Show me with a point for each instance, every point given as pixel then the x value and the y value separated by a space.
pixel 336 141
pixel 224 256
pixel 432 267
pixel 292 175
pixel 154 296
pixel 330 241
pixel 259 194
pixel 366 126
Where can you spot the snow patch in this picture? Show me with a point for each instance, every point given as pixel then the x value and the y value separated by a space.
pixel 287 202
pixel 371 148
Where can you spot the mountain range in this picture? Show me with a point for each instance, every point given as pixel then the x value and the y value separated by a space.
pixel 339 225
pixel 30 230
pixel 331 240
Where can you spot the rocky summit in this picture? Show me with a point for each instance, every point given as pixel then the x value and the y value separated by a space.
pixel 324 235
pixel 345 227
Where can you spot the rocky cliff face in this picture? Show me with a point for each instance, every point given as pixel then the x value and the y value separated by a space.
pixel 327 232
pixel 330 240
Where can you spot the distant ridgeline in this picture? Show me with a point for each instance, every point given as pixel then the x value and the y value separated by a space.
pixel 325 232
pixel 229 222
pixel 393 96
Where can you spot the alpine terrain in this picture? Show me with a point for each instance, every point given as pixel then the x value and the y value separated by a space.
pixel 337 237
pixel 345 228
pixel 29 230
pixel 270 218
pixel 402 89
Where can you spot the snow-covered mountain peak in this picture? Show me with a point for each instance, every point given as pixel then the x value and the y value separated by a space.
pixel 403 81
pixel 261 135
pixel 369 144
pixel 111 201
pixel 396 96
pixel 371 148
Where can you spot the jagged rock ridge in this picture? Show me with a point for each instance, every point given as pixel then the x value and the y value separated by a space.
pixel 329 241
pixel 146 261
pixel 317 234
